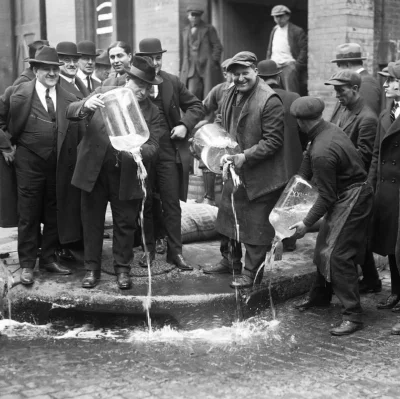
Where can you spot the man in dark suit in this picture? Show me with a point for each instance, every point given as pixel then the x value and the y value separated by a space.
pixel 69 56
pixel 33 115
pixel 288 48
pixel 172 168
pixel 27 74
pixel 86 63
pixel 105 174
pixel 201 47
pixel 349 56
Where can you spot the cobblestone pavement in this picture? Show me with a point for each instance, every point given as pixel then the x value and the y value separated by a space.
pixel 297 359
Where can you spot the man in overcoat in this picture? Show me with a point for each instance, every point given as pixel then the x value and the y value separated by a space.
pixel 384 176
pixel 33 116
pixel 253 115
pixel 87 63
pixel 171 170
pixel 288 48
pixel 345 199
pixel 201 54
pixel 107 175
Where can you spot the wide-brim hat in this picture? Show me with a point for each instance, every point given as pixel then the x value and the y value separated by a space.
pixel 280 10
pixel 86 47
pixel 67 48
pixel 268 68
pixel 348 52
pixel 103 58
pixel 142 69
pixel 46 55
pixel 150 46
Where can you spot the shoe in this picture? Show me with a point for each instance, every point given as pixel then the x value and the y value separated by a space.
pixel 143 259
pixel 308 303
pixel 91 279
pixel 243 281
pixel 364 287
pixel 161 245
pixel 54 267
pixel 26 277
pixel 346 327
pixel 180 262
pixel 391 301
pixel 396 329
pixel 65 254
pixel 123 281
pixel 221 268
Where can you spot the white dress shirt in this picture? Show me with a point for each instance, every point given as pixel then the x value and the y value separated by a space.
pixel 41 92
pixel 83 77
pixel 397 112
pixel 281 53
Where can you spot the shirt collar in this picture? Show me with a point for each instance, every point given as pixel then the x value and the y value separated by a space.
pixel 82 75
pixel 41 89
pixel 313 133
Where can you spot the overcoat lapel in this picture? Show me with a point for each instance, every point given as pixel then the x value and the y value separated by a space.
pixel 167 91
pixel 20 107
pixel 62 121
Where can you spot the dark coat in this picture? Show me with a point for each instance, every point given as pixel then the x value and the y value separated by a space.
pixel 260 134
pixel 93 147
pixel 176 97
pixel 297 43
pixel 80 91
pixel 384 176
pixel 26 76
pixel 370 91
pixel 96 84
pixel 360 127
pixel 15 107
pixel 115 80
pixel 207 62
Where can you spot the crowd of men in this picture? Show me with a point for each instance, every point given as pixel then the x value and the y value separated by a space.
pixel 59 166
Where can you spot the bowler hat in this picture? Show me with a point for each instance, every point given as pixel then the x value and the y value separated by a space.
pixel 150 46
pixel 245 58
pixel 142 69
pixel 103 58
pixel 384 72
pixel 344 77
pixel 86 47
pixel 46 55
pixel 195 8
pixel 348 52
pixel 280 10
pixel 307 107
pixel 268 68
pixel 67 48
pixel 394 69
pixel 34 46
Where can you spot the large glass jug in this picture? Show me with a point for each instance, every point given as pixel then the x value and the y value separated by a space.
pixel 293 205
pixel 124 120
pixel 211 142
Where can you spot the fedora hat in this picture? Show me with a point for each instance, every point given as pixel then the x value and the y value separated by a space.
pixel 86 47
pixel 142 69
pixel 67 48
pixel 103 58
pixel 348 52
pixel 34 46
pixel 268 68
pixel 150 46
pixel 46 55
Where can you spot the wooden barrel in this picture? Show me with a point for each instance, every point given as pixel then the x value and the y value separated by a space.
pixel 196 187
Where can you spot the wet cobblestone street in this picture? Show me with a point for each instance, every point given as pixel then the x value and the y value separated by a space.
pixel 296 359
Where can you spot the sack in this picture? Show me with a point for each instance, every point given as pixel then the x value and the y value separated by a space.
pixel 198 222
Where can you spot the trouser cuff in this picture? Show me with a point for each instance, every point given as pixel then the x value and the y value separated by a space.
pixel 92 266
pixel 27 264
pixel 122 269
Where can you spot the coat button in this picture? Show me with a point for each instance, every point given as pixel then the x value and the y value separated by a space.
pixel 393 162
pixel 396 144
pixel 383 162
pixel 393 180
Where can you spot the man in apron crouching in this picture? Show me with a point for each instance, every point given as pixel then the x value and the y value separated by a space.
pixel 345 198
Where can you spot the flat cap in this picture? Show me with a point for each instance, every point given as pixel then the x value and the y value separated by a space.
pixel 245 58
pixel 307 107
pixel 226 63
pixel 384 72
pixel 195 8
pixel 394 69
pixel 344 77
pixel 280 10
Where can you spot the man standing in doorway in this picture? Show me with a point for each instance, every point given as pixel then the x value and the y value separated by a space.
pixel 201 68
pixel 288 48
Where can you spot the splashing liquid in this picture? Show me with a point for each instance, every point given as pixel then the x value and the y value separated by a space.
pixel 142 174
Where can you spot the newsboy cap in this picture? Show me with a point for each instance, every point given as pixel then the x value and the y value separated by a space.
pixel 394 69
pixel 384 72
pixel 307 107
pixel 280 10
pixel 245 58
pixel 348 52
pixel 344 77
pixel 195 8
pixel 225 63
pixel 268 68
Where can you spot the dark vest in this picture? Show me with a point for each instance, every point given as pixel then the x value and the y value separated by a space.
pixel 40 133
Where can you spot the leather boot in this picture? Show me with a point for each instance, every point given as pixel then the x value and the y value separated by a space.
pixel 91 279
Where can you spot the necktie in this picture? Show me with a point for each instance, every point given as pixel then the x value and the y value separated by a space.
pixel 393 112
pixel 89 83
pixel 50 106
